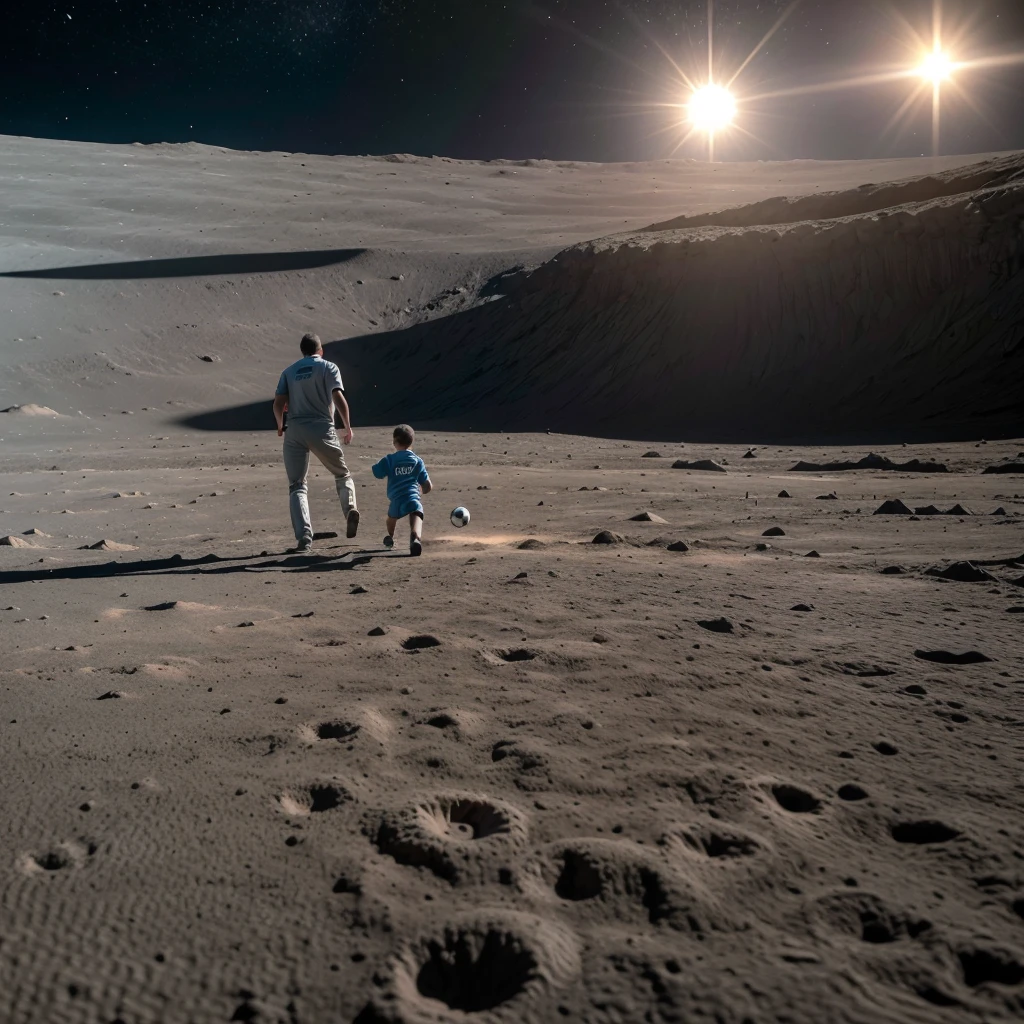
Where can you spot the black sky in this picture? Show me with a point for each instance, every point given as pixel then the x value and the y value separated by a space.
pixel 563 79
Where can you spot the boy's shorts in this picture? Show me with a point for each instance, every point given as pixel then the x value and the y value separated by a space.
pixel 400 509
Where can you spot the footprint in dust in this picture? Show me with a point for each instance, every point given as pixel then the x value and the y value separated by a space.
pixel 455 835
pixel 314 799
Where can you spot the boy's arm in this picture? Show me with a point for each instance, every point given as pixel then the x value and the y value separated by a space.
pixel 423 479
pixel 380 469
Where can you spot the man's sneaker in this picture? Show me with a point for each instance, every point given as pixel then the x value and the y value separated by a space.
pixel 389 542
pixel 302 548
pixel 353 523
pixel 415 546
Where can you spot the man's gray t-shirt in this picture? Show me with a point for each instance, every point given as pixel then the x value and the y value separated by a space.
pixel 309 385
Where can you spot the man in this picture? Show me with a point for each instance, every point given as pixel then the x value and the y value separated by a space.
pixel 310 390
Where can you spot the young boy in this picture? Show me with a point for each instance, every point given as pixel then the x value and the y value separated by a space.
pixel 407 476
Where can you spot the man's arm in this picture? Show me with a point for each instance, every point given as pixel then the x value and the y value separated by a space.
pixel 280 406
pixel 342 406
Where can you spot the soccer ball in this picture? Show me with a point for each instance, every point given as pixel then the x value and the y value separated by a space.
pixel 460 516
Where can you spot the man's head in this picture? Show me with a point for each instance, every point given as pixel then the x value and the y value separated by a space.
pixel 310 345
pixel 404 436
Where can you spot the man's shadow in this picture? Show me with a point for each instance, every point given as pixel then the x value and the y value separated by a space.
pixel 206 565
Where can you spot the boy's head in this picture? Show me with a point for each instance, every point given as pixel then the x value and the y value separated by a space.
pixel 404 436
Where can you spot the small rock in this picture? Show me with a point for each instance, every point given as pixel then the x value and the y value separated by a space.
pixel 812 554
pixel 784 494
pixel 893 507
pixel 802 608
pixel 648 517
pixel 962 572
pixel 359 590
pixel 719 625
pixel 704 465
pixel 750 454
pixel 762 546
pixel 378 631
pixel 774 531
pixel 893 570
pixel 607 537
pixel 952 658
pixel 651 455
pixel 243 625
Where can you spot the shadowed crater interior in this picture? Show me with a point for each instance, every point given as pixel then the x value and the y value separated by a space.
pixel 923 832
pixel 473 972
pixel 465 819
pixel 795 800
pixel 336 730
pixel 580 877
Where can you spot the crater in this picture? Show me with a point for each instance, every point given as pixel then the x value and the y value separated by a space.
pixel 313 799
pixel 981 966
pixel 479 964
pixel 517 654
pixel 922 833
pixel 473 972
pixel 421 642
pixel 455 836
pixel 794 799
pixel 336 730
pixel 464 819
pixel 580 877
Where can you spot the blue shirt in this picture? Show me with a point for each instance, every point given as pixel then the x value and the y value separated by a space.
pixel 310 385
pixel 405 472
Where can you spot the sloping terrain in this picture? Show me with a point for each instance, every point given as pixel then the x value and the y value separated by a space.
pixel 907 322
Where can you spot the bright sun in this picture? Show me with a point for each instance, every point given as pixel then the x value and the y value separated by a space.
pixel 712 108
pixel 936 67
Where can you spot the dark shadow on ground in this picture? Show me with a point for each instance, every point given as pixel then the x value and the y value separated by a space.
pixel 516 363
pixel 196 266
pixel 176 565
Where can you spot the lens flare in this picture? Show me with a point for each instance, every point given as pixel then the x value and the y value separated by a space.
pixel 936 67
pixel 712 108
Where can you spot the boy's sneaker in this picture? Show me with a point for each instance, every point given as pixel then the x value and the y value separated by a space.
pixel 303 547
pixel 353 523
pixel 389 542
pixel 415 546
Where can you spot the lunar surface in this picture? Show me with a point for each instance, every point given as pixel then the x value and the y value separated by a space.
pixel 713 713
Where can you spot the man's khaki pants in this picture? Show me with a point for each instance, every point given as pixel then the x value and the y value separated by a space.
pixel 322 440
